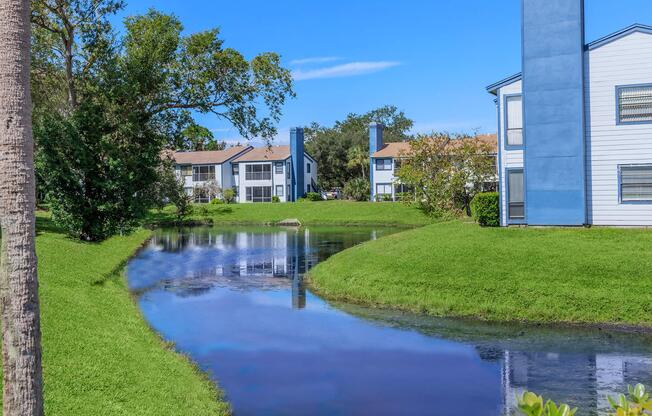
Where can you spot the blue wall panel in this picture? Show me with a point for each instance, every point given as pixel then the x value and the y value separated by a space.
pixel 298 164
pixel 553 106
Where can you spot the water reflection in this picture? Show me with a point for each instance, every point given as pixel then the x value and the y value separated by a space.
pixel 234 300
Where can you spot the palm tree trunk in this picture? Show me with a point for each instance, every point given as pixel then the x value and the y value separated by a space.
pixel 19 306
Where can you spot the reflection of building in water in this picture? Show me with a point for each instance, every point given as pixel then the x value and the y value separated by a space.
pixel 286 253
pixel 581 380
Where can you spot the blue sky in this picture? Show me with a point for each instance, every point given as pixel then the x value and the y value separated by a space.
pixel 431 58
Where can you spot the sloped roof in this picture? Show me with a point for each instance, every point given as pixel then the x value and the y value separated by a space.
pixel 635 28
pixel 208 157
pixel 402 149
pixel 264 154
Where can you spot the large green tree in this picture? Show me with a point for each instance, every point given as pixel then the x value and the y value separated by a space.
pixel 332 147
pixel 99 152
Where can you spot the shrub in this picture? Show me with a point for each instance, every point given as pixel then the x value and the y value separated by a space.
pixel 485 209
pixel 529 404
pixel 384 198
pixel 313 196
pixel 276 199
pixel 357 189
pixel 217 201
pixel 229 196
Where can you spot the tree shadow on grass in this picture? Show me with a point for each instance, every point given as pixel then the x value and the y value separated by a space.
pixel 46 225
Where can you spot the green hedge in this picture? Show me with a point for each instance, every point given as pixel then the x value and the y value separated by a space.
pixel 485 209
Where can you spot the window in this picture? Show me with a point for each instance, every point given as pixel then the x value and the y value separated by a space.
pixel 287 171
pixel 235 169
pixel 515 195
pixel 514 120
pixel 288 193
pixel 383 189
pixel 236 190
pixel 307 167
pixel 278 168
pixel 186 170
pixel 634 104
pixel 307 188
pixel 258 172
pixel 398 163
pixel 279 190
pixel 259 193
pixel 383 164
pixel 636 183
pixel 203 173
pixel 201 196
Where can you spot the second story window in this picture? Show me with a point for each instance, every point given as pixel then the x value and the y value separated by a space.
pixel 235 169
pixel 287 171
pixel 203 173
pixel 634 104
pixel 278 168
pixel 383 164
pixel 308 167
pixel 258 172
pixel 186 170
pixel 514 120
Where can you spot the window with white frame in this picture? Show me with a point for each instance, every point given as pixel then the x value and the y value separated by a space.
pixel 515 195
pixel 514 120
pixel 287 170
pixel 308 167
pixel 383 189
pixel 278 168
pixel 279 190
pixel 636 183
pixel 186 170
pixel 635 104
pixel 259 172
pixel 201 196
pixel 235 169
pixel 203 173
pixel 258 193
pixel 383 164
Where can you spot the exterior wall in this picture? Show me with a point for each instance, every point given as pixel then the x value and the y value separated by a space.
pixel 625 61
pixel 553 108
pixel 382 176
pixel 311 177
pixel 243 183
pixel 508 158
pixel 280 179
pixel 190 185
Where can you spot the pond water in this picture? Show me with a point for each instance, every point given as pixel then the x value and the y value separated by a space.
pixel 234 300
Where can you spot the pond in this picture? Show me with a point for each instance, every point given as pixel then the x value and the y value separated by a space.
pixel 234 300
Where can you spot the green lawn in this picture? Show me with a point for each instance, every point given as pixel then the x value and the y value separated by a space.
pixel 558 275
pixel 99 355
pixel 309 213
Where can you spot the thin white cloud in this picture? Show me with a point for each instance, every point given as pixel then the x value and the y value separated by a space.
pixel 316 60
pixel 344 70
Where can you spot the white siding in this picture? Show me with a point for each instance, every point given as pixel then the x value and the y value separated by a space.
pixel 625 61
pixel 384 176
pixel 508 158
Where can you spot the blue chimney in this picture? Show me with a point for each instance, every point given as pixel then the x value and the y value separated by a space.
pixel 553 111
pixel 375 144
pixel 298 164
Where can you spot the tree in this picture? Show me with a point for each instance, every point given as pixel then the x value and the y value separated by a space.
pixel 444 172
pixel 330 146
pixel 358 159
pixel 19 305
pixel 197 138
pixel 357 189
pixel 101 158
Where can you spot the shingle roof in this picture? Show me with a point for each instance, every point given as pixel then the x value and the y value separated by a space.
pixel 208 157
pixel 260 154
pixel 402 149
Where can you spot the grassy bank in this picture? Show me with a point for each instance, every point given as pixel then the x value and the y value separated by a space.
pixel 585 276
pixel 309 213
pixel 99 356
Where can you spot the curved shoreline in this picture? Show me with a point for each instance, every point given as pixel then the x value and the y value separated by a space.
pixel 457 285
